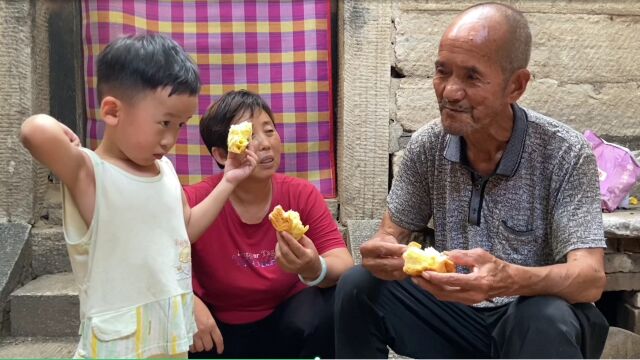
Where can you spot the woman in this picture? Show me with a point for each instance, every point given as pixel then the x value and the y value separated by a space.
pixel 261 293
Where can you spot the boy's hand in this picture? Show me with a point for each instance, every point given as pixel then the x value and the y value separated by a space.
pixel 73 138
pixel 239 166
pixel 298 257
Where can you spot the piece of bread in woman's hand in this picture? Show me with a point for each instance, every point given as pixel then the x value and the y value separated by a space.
pixel 288 221
pixel 239 137
pixel 417 260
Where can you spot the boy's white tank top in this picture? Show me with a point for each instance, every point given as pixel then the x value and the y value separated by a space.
pixel 136 249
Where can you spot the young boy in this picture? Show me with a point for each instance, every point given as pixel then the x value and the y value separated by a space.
pixel 126 221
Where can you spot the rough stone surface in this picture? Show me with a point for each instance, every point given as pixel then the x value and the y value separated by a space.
pixel 49 251
pixel 633 299
pixel 332 204
pixel 24 91
pixel 359 231
pixel 416 103
pixel 417 35
pixel 622 224
pixel 38 348
pixel 14 263
pixel 622 262
pixel 570 48
pixel 622 281
pixel 623 245
pixel 395 133
pixel 610 7
pixel 621 344
pixel 612 245
pixel 604 108
pixel 630 244
pixel 47 306
pixel 629 318
pixel 51 212
pixel 397 160
pixel 363 107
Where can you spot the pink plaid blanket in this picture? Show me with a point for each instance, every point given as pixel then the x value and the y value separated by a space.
pixel 278 49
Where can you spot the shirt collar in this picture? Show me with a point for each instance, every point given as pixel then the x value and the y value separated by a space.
pixel 455 146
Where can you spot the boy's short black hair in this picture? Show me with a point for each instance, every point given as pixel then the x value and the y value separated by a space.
pixel 215 124
pixel 132 64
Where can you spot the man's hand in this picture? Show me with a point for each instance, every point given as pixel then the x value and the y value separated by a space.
pixel 239 166
pixel 298 257
pixel 489 277
pixel 382 256
pixel 208 333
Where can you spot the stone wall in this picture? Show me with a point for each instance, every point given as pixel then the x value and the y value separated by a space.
pixel 584 64
pixel 24 76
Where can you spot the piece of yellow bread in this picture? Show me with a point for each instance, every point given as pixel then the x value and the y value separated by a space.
pixel 288 221
pixel 417 260
pixel 239 137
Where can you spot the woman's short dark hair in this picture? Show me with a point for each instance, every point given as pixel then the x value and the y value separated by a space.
pixel 215 124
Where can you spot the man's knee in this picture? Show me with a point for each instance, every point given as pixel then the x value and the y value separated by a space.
pixel 545 310
pixel 357 280
pixel 548 314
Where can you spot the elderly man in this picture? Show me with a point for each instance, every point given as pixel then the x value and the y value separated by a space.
pixel 514 199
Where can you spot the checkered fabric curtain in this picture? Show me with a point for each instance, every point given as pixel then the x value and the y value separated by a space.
pixel 278 49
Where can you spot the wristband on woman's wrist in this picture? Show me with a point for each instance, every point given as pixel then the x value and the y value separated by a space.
pixel 323 274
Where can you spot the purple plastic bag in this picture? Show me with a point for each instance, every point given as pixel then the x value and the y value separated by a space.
pixel 618 170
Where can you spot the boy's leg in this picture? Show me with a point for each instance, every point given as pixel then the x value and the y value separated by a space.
pixel 372 313
pixel 547 326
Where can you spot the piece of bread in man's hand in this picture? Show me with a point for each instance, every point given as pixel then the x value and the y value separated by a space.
pixel 417 260
pixel 239 137
pixel 288 221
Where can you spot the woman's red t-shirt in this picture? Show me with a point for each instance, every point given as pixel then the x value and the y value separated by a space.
pixel 234 265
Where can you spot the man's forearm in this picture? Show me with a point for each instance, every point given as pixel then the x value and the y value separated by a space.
pixel 388 227
pixel 576 282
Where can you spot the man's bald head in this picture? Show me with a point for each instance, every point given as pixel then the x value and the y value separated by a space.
pixel 500 26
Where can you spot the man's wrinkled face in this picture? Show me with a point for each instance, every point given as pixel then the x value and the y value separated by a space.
pixel 468 80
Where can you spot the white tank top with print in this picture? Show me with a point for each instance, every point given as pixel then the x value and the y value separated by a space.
pixel 136 250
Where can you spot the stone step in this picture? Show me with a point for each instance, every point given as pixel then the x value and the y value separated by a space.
pixel 621 344
pixel 359 231
pixel 37 347
pixel 626 262
pixel 15 266
pixel 622 223
pixel 49 251
pixel 47 306
pixel 622 281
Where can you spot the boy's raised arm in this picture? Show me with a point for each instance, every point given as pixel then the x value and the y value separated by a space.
pixel 198 218
pixel 56 147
